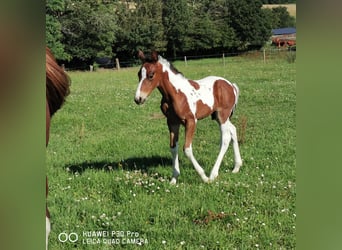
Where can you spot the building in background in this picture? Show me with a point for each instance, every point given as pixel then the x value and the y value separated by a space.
pixel 284 37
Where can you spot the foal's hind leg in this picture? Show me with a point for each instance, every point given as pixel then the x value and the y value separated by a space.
pixel 237 156
pixel 228 133
pixel 225 140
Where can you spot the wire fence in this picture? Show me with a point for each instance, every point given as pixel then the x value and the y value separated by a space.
pixel 263 55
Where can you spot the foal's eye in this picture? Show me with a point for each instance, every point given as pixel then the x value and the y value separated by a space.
pixel 150 75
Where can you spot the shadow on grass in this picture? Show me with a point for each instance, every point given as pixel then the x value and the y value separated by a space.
pixel 130 164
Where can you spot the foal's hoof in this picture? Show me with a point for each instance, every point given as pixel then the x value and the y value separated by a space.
pixel 206 179
pixel 212 177
pixel 236 169
pixel 173 181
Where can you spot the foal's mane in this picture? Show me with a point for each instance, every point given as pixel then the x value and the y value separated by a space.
pixel 169 64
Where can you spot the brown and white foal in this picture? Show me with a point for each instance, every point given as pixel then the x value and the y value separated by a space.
pixel 185 102
pixel 57 88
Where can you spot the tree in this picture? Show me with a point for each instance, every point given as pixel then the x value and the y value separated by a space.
pixel 177 21
pixel 200 31
pixel 53 32
pixel 221 35
pixel 141 27
pixel 250 23
pixel 88 29
pixel 281 18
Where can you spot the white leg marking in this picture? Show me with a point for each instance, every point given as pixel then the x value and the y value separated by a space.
pixel 237 156
pixel 225 140
pixel 175 164
pixel 48 229
pixel 199 169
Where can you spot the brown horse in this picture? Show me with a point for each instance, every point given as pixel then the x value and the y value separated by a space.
pixel 57 88
pixel 185 102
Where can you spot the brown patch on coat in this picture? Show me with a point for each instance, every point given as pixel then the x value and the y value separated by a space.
pixel 202 110
pixel 194 84
pixel 223 91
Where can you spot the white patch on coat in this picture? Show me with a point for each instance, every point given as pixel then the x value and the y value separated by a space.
pixel 181 84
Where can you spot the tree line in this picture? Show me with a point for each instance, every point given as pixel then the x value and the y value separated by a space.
pixel 79 31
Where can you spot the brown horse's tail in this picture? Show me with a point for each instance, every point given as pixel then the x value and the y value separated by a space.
pixel 57 83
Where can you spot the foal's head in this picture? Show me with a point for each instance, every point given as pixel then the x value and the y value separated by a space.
pixel 150 76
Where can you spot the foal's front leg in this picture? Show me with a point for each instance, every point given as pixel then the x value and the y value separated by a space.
pixel 174 132
pixel 190 127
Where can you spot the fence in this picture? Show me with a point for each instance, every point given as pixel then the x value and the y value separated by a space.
pixel 263 55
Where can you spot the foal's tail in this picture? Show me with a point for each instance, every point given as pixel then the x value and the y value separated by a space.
pixel 237 93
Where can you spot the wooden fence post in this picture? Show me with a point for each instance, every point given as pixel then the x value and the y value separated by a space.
pixel 224 60
pixel 185 61
pixel 117 63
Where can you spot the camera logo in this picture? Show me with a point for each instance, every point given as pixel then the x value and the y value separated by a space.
pixel 65 237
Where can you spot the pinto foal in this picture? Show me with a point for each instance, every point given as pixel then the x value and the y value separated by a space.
pixel 57 88
pixel 185 102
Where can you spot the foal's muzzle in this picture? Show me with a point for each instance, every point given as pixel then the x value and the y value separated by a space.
pixel 139 100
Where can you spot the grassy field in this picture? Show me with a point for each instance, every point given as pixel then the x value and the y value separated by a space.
pixel 109 165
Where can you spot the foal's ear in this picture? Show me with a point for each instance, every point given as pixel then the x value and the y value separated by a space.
pixel 141 55
pixel 154 56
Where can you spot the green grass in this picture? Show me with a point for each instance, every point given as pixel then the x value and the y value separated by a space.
pixel 109 164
